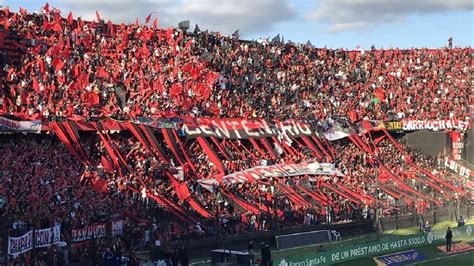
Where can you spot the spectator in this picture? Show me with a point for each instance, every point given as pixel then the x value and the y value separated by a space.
pixel 460 221
pixel 449 238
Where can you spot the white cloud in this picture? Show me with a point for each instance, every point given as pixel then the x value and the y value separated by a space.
pixel 250 16
pixel 356 14
pixel 116 10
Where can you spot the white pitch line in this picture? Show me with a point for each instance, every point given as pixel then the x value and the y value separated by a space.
pixel 440 258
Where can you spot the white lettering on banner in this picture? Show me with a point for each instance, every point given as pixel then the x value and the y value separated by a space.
pixel 43 237
pixel 434 125
pixel 234 123
pixel 363 250
pixel 38 239
pixel 281 170
pixel 442 125
pixel 21 244
pixel 457 168
pixel 89 232
pixel 48 236
pixel 208 130
pixel 242 128
pixel 304 129
pixel 458 145
pixel 278 170
pixel 266 129
pixel 248 131
pixel 7 125
pixel 221 129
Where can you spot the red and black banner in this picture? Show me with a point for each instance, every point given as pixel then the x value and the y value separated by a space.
pixel 243 128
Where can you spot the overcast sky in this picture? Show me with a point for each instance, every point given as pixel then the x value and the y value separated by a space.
pixel 331 23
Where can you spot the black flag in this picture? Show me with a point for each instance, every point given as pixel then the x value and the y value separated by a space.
pixel 236 34
pixel 197 30
pixel 276 39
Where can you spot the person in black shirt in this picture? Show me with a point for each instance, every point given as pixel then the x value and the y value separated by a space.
pixel 175 257
pixel 250 247
pixel 449 237
pixel 183 254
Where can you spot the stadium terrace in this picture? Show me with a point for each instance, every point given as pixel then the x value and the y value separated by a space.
pixel 120 138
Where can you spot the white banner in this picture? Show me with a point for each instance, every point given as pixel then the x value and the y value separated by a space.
pixel 117 228
pixel 278 170
pixel 21 244
pixel 47 237
pixel 457 168
pixel 7 125
pixel 56 234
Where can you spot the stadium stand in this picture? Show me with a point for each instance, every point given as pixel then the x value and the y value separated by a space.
pixel 119 110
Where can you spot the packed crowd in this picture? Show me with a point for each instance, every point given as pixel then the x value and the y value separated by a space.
pixel 45 183
pixel 71 67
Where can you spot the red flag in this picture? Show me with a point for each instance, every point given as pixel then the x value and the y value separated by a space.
pixel 91 98
pixel 45 24
pixel 11 70
pixel 181 189
pixel 101 73
pixel 57 26
pixel 147 19
pixel 366 125
pixel 7 23
pixel 66 51
pixel 80 23
pixel 155 23
pixel 382 175
pixel 379 93
pixel 353 115
pixel 6 11
pixel 57 63
pixel 41 66
pixel 169 34
pixel 175 89
pixel 158 86
pixel 100 186
pixel 22 11
pixel 111 27
pixel 70 18
pixel 46 8
pixel 56 17
pixel 188 43
pixel 97 15
pixel 145 50
pixel 211 77
pixel 35 84
pixel 106 164
pixel 378 139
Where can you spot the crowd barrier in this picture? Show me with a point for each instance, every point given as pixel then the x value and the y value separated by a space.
pixel 433 217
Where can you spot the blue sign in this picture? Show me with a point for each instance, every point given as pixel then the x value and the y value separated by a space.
pixel 400 258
